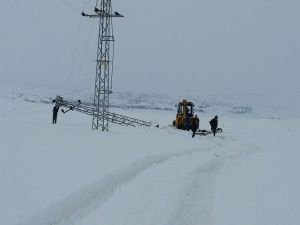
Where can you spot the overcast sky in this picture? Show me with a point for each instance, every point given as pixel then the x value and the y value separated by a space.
pixel 171 46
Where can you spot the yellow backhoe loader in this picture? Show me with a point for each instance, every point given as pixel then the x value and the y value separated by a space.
pixel 185 116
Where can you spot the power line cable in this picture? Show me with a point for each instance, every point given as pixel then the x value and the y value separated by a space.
pixel 72 80
pixel 70 6
pixel 75 52
pixel 86 47
pixel 88 2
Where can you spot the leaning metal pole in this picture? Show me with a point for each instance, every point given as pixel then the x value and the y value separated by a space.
pixel 104 64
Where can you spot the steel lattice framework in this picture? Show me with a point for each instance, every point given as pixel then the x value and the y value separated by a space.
pixel 103 81
pixel 104 65
pixel 90 110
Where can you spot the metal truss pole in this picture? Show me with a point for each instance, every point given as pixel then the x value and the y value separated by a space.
pixel 104 65
pixel 103 76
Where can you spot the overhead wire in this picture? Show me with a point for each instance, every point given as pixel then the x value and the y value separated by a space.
pixel 88 2
pixel 74 77
pixel 75 51
pixel 85 50
pixel 79 77
pixel 68 81
pixel 70 6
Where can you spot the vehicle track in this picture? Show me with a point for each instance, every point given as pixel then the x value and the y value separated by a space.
pixel 81 203
pixel 197 203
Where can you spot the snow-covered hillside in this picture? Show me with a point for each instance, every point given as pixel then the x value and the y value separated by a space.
pixel 235 59
pixel 68 174
pixel 263 105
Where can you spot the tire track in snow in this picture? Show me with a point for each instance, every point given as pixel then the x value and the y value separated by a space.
pixel 196 206
pixel 89 198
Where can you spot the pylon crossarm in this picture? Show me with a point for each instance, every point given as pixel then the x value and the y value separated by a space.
pixel 101 13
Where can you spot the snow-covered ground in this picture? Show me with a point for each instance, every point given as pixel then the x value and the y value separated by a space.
pixel 68 174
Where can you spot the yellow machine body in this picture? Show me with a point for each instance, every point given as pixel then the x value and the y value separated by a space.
pixel 185 115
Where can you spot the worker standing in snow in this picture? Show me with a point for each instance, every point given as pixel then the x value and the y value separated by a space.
pixel 214 125
pixel 195 125
pixel 197 122
pixel 55 111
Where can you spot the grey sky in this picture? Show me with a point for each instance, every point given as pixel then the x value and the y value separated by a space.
pixel 174 47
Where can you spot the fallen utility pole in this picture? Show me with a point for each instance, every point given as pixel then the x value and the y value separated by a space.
pixel 111 117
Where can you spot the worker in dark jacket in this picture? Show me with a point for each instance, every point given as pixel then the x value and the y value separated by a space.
pixel 195 125
pixel 197 122
pixel 55 111
pixel 214 125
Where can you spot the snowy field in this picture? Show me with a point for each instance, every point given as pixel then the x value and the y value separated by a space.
pixel 68 174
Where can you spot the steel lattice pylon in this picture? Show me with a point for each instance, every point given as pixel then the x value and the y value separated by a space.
pixel 104 65
pixel 103 81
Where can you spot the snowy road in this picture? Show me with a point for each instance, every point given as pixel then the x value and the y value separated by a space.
pixel 67 174
pixel 173 188
pixel 162 172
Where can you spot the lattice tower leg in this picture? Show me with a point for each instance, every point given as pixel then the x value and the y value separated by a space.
pixel 103 68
